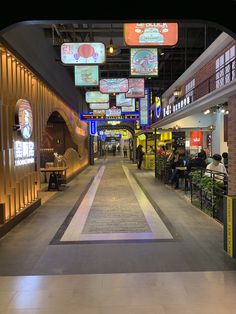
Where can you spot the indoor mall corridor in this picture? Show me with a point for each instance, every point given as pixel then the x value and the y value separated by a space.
pixel 114 240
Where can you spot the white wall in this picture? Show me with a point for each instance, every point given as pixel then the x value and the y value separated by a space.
pixel 218 144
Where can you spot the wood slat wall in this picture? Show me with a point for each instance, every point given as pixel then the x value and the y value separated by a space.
pixel 19 185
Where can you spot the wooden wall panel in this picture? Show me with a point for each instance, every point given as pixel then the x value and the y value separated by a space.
pixel 19 185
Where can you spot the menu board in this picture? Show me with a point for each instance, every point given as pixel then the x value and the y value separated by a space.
pixel 86 75
pixel 136 88
pixel 83 53
pixel 151 34
pixel 144 62
pixel 114 85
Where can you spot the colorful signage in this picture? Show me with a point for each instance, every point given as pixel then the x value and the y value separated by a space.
pixel 99 112
pixel 96 96
pixel 144 109
pixel 92 127
pixel 136 88
pixel 144 61
pixel 83 53
pixel 196 138
pixel 114 85
pixel 99 106
pixel 86 75
pixel 167 111
pixel 121 100
pixel 129 108
pixel 24 118
pixel 113 112
pixel 122 117
pixel 151 34
pixel 23 153
pixel 158 107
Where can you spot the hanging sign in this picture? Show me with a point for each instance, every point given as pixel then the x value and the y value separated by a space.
pixel 92 127
pixel 129 108
pixel 96 96
pixel 144 109
pixel 86 75
pixel 99 106
pixel 24 118
pixel 121 100
pixel 83 53
pixel 136 88
pixel 113 112
pixel 114 85
pixel 144 61
pixel 151 34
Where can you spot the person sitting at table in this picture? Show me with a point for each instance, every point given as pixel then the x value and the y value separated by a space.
pixel 216 165
pixel 177 161
pixel 197 162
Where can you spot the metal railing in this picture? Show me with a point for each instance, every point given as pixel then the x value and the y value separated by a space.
pixel 224 75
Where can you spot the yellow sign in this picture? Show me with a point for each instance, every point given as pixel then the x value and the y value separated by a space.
pixel 230 225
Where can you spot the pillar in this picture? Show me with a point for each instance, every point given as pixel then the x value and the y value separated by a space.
pixel 91 152
pixel 230 203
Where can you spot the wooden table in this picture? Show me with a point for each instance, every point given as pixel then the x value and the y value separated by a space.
pixel 54 174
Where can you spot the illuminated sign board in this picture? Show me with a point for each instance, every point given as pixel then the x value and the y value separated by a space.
pixel 167 111
pixel 121 100
pixel 144 61
pixel 99 106
pixel 24 153
pixel 113 112
pixel 96 97
pixel 24 118
pixel 122 117
pixel 86 75
pixel 92 127
pixel 151 34
pixel 129 108
pixel 99 112
pixel 195 138
pixel 158 107
pixel 83 53
pixel 144 109
pixel 136 88
pixel 114 85
pixel 181 103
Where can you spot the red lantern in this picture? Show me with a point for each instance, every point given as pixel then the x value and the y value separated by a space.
pixel 86 51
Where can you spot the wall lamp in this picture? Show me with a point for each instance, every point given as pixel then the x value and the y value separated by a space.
pixel 176 93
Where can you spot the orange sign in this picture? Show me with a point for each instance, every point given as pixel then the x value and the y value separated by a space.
pixel 151 34
pixel 196 138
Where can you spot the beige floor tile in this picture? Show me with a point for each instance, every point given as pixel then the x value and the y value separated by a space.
pixel 133 310
pixel 5 299
pixel 25 283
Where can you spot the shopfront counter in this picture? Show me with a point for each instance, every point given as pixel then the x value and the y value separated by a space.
pixel 149 161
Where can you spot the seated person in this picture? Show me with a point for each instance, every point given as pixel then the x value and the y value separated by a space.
pixel 177 161
pixel 197 162
pixel 225 159
pixel 216 165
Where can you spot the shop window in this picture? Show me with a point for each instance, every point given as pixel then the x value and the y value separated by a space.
pixel 225 67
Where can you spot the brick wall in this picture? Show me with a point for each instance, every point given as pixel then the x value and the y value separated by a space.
pixel 208 69
pixel 232 146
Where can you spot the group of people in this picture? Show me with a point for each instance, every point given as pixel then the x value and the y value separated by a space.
pixel 199 161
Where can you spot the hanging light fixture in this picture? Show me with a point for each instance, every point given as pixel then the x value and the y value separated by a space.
pixel 111 49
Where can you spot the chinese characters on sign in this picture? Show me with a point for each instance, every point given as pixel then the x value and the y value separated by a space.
pixel 86 75
pixel 136 88
pixel 151 34
pixel 143 61
pixel 83 53
pixel 23 153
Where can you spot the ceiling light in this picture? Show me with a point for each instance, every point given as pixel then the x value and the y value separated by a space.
pixel 227 112
pixel 111 48
pixel 207 111
pixel 222 110
pixel 176 93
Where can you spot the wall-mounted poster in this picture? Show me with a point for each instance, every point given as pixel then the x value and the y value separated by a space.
pixel 136 88
pixel 86 75
pixel 99 106
pixel 96 96
pixel 151 34
pixel 143 61
pixel 114 85
pixel 24 118
pixel 83 53
pixel 121 100
pixel 144 109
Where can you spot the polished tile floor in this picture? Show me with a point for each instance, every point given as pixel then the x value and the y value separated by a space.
pixel 143 293
pixel 187 273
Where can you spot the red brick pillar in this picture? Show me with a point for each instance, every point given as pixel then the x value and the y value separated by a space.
pixel 232 146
